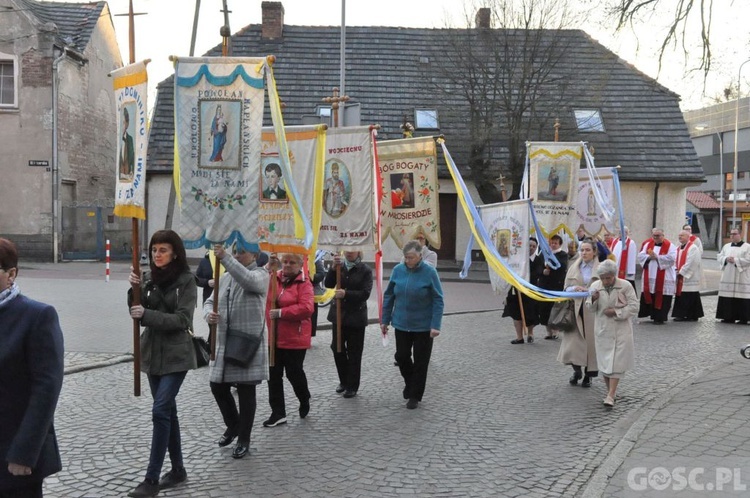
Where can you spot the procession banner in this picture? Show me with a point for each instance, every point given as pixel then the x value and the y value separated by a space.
pixel 508 226
pixel 218 117
pixel 489 249
pixel 131 89
pixel 348 218
pixel 408 168
pixel 553 184
pixel 276 225
pixel 589 214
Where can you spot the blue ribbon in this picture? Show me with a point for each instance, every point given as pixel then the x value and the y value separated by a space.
pixel 234 237
pixel 616 182
pixel 189 81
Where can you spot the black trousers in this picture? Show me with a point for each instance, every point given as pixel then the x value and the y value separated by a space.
pixel 27 490
pixel 237 422
pixel 349 360
pixel 291 361
pixel 413 371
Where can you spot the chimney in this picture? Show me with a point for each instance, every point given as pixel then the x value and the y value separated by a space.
pixel 482 19
pixel 273 20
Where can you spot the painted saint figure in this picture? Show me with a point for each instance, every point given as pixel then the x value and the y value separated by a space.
pixel 554 180
pixel 407 195
pixel 591 203
pixel 335 200
pixel 127 149
pixel 274 191
pixel 219 135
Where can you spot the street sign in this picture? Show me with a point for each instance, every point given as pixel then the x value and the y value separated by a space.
pixel 37 162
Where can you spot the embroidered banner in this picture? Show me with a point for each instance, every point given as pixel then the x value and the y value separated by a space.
pixel 218 116
pixel 589 214
pixel 348 189
pixel 508 226
pixel 408 169
pixel 553 183
pixel 276 226
pixel 131 88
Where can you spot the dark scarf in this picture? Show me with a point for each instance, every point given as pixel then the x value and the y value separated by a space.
pixel 164 277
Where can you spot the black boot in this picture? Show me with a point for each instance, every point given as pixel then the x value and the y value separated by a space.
pixel 586 382
pixel 577 375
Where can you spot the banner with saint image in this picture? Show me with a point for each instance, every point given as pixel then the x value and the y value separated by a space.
pixel 131 89
pixel 589 214
pixel 553 183
pixel 348 218
pixel 409 205
pixel 508 226
pixel 276 226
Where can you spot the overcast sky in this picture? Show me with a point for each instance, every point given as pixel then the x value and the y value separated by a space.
pixel 166 30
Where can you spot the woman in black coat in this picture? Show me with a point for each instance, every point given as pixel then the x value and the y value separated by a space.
pixel 530 311
pixel 31 376
pixel 356 284
pixel 552 280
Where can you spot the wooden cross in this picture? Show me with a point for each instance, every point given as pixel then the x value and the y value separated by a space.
pixel 503 192
pixel 131 29
pixel 334 101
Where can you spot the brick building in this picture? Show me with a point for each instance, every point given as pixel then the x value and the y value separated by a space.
pixel 57 124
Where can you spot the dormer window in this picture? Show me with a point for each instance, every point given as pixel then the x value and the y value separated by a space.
pixel 426 119
pixel 589 120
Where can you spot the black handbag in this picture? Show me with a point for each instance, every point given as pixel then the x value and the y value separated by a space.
pixel 241 348
pixel 563 316
pixel 202 350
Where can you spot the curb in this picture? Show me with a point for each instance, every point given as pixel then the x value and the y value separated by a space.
pixel 375 321
pixel 98 364
pixel 599 480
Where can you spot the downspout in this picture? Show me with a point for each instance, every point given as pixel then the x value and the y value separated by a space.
pixel 55 166
pixel 56 228
pixel 656 203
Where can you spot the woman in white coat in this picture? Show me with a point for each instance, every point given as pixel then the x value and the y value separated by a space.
pixel 577 348
pixel 614 303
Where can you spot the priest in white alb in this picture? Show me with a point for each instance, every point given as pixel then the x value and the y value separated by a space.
pixel 687 301
pixel 625 257
pixel 734 288
pixel 657 257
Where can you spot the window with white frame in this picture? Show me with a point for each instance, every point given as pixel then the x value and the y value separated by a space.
pixel 8 81
pixel 426 119
pixel 589 120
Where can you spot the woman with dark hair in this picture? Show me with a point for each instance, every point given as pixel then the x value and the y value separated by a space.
pixel 31 376
pixel 552 279
pixel 578 345
pixel 168 296
pixel 530 309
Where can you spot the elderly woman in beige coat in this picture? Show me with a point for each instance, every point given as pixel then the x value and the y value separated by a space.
pixel 614 303
pixel 577 348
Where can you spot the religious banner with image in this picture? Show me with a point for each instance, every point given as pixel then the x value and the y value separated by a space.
pixel 218 118
pixel 409 205
pixel 131 88
pixel 553 183
pixel 508 226
pixel 348 198
pixel 589 214
pixel 276 227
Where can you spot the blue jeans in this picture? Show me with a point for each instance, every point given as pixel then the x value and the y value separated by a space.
pixel 166 432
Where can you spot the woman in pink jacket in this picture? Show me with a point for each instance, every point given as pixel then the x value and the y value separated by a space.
pixel 291 307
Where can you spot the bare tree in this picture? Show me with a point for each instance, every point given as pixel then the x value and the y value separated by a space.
pixel 498 75
pixel 634 12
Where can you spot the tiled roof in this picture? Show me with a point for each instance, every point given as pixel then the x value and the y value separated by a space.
pixel 75 21
pixel 702 200
pixel 385 67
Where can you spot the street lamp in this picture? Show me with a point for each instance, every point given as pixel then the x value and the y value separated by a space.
pixel 736 132
pixel 703 126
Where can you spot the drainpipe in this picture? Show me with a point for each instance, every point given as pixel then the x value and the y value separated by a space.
pixel 56 228
pixel 55 166
pixel 656 203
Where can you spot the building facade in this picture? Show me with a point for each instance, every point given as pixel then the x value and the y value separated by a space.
pixel 58 126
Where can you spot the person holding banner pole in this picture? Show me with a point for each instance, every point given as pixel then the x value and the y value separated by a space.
pixel 413 303
pixel 578 348
pixel 292 309
pixel 354 291
pixel 552 279
pixel 521 308
pixel 168 295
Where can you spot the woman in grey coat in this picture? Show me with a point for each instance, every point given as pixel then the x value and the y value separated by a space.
pixel 242 299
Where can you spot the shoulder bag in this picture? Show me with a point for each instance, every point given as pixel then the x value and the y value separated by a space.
pixel 563 316
pixel 240 348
